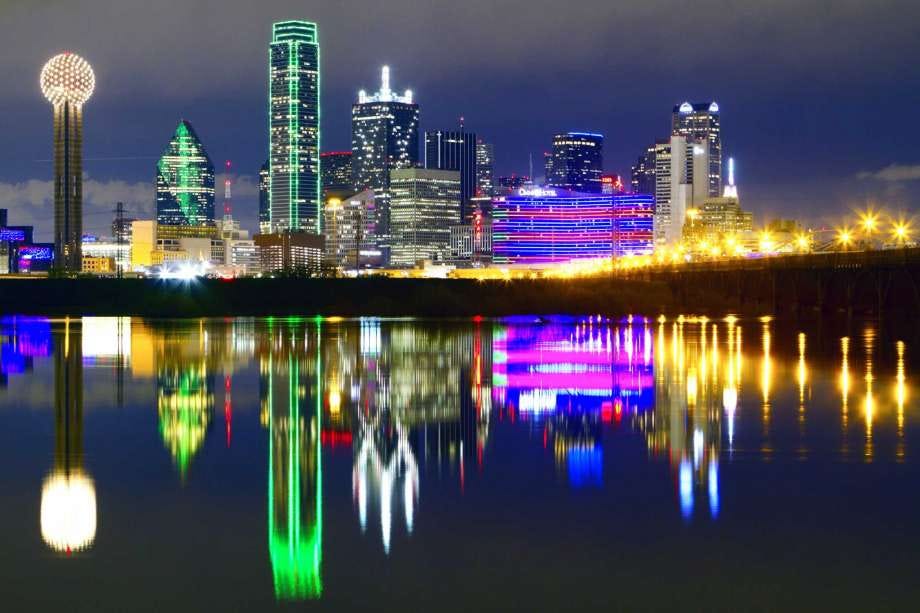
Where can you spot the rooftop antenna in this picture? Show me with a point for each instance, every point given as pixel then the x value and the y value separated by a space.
pixel 731 191
pixel 531 168
pixel 385 83
pixel 228 206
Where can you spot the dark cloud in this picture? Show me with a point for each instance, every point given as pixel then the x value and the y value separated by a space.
pixel 812 92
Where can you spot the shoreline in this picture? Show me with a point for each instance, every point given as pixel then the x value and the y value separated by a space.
pixel 670 295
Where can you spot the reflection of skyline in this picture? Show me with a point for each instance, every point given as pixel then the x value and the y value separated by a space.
pixel 291 395
pixel 694 386
pixel 68 503
pixel 574 379
pixel 21 340
pixel 420 405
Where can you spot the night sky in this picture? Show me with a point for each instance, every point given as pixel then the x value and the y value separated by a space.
pixel 819 99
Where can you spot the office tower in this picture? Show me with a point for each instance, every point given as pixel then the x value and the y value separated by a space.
pixel 542 226
pixel 384 137
pixel 506 185
pixel 577 162
pixel 335 169
pixel 185 181
pixel 350 227
pixel 485 168
pixel 294 128
pixel 642 179
pixel 454 150
pixel 290 251
pixel 67 81
pixel 265 225
pixel 424 204
pixel 671 187
pixel 701 123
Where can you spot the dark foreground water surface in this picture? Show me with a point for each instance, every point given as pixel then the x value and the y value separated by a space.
pixel 525 464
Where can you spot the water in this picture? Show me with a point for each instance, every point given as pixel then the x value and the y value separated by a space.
pixel 467 465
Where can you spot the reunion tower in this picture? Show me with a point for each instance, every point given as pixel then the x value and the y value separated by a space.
pixel 67 81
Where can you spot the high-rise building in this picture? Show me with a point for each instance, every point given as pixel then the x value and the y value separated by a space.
pixel 539 226
pixel 294 128
pixel 265 217
pixel 485 168
pixel 642 179
pixel 290 251
pixel 185 181
pixel 424 205
pixel 335 168
pixel 350 228
pixel 701 124
pixel 67 81
pixel 454 150
pixel 681 184
pixel 384 137
pixel 577 162
pixel 506 185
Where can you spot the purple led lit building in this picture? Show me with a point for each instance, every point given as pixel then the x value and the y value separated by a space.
pixel 541 226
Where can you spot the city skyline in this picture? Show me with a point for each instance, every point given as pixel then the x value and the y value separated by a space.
pixel 783 160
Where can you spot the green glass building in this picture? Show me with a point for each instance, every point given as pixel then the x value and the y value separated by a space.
pixel 185 181
pixel 294 128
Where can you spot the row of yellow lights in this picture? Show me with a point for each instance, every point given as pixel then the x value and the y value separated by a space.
pixel 870 223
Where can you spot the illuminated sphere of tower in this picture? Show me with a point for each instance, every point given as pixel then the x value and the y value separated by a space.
pixel 67 77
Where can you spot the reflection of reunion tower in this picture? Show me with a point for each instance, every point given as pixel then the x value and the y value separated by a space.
pixel 67 81
pixel 68 506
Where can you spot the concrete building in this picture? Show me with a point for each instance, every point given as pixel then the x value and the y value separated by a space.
pixel 471 244
pixel 701 123
pixel 384 137
pixel 424 205
pixel 350 229
pixel 108 248
pixel 98 265
pixel 681 184
pixel 290 251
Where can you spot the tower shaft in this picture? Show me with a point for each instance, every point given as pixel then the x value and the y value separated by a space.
pixel 68 185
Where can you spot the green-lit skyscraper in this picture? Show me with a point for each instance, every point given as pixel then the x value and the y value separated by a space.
pixel 294 129
pixel 185 181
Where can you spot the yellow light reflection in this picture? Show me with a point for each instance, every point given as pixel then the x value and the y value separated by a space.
pixel 68 511
pixel 766 377
pixel 900 394
pixel 869 401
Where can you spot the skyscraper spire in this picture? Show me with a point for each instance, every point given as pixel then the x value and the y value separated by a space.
pixel 228 206
pixel 385 90
pixel 730 190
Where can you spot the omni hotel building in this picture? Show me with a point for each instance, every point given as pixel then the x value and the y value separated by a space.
pixel 541 226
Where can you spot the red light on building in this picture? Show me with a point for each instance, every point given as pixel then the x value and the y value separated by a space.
pixel 612 184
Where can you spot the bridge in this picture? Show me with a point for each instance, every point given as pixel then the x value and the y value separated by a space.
pixel 873 282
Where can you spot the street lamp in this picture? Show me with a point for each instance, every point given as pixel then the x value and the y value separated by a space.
pixel 900 232
pixel 844 238
pixel 803 242
pixel 868 221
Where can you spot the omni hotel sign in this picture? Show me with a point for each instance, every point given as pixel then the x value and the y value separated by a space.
pixel 537 192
